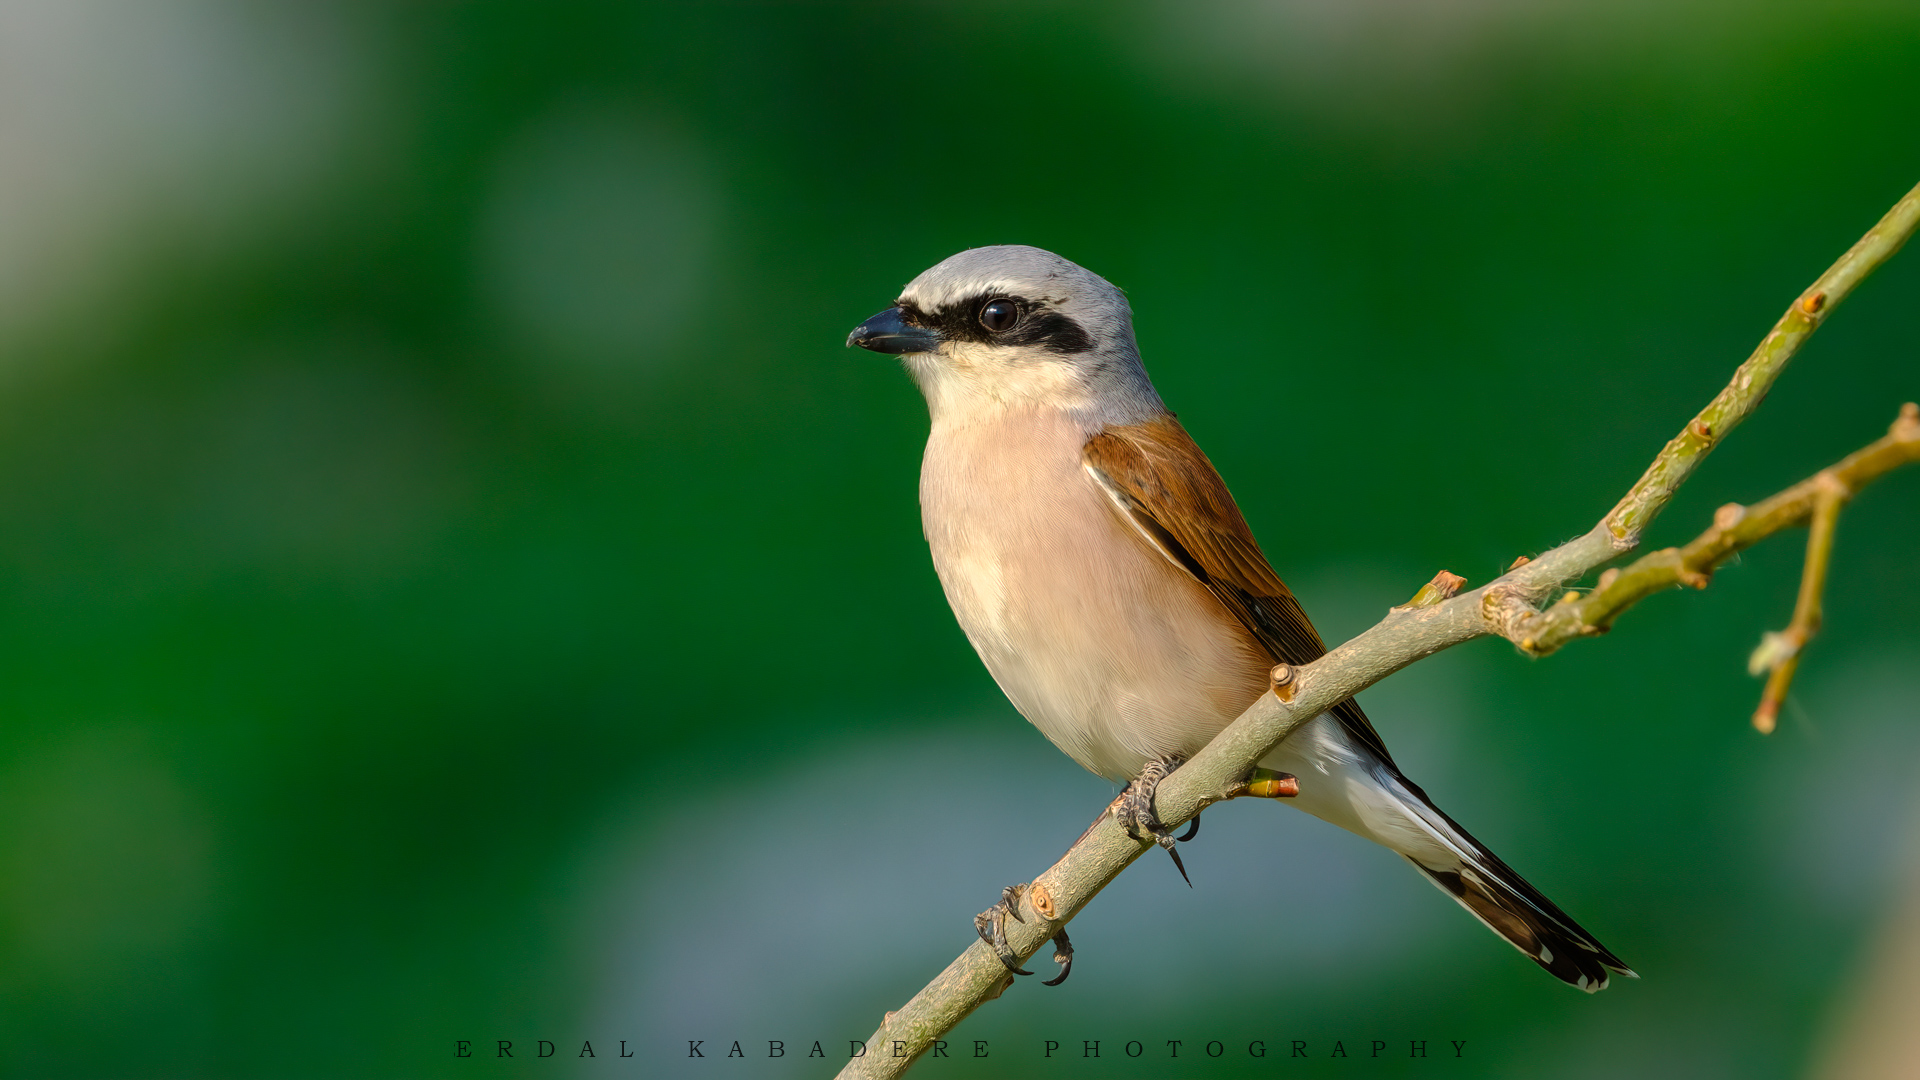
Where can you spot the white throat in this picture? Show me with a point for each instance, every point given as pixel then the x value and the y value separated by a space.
pixel 970 384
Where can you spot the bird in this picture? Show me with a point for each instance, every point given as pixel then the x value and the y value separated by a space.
pixel 1104 574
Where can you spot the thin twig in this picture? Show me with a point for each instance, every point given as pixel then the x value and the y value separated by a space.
pixel 1628 520
pixel 1780 652
pixel 1221 769
pixel 1734 529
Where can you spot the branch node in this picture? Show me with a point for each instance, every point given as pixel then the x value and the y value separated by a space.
pixel 1831 486
pixel 1518 563
pixel 1570 596
pixel 1811 303
pixel 1508 611
pixel 1688 576
pixel 1702 429
pixel 1268 784
pixel 1443 587
pixel 1728 516
pixel 1607 577
pixel 1907 424
pixel 1776 647
pixel 1282 681
pixel 1042 900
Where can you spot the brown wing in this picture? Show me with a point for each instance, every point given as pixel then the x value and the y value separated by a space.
pixel 1160 478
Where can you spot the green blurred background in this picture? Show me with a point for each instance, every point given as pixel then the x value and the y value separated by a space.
pixel 454 584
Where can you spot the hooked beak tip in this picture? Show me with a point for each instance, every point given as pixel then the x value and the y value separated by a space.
pixel 887 332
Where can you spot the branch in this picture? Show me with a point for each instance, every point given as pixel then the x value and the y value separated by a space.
pixel 1433 621
pixel 1626 521
pixel 1780 653
pixel 1735 528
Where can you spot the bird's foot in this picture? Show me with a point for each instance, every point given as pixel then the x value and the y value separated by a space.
pixel 991 925
pixel 1134 811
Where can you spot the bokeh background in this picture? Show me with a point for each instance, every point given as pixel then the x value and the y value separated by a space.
pixel 454 584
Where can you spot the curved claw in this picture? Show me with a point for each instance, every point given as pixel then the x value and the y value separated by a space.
pixel 1062 955
pixel 1167 842
pixel 1006 956
pixel 991 925
pixel 1193 830
pixel 1010 901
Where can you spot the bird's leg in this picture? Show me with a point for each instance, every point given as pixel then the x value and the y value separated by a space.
pixel 1062 955
pixel 1134 809
pixel 991 925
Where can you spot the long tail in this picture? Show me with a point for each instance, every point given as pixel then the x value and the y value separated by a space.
pixel 1343 780
pixel 1507 904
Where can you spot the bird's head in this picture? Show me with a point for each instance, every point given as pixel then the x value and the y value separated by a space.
pixel 1011 325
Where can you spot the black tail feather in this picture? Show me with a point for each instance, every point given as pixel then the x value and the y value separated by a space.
pixel 1558 944
pixel 1514 909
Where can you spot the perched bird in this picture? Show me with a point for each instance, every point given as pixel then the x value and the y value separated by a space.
pixel 1104 574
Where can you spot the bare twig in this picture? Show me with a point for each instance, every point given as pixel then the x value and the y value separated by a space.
pixel 1750 383
pixel 1779 653
pixel 1734 529
pixel 1509 606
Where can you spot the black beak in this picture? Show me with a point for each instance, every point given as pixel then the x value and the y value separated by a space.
pixel 888 333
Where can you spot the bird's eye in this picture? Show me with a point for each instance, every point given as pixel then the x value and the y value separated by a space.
pixel 1000 315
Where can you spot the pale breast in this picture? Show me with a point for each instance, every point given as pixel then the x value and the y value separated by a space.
pixel 1114 653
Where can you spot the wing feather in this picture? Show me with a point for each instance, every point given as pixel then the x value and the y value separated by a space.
pixel 1163 484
